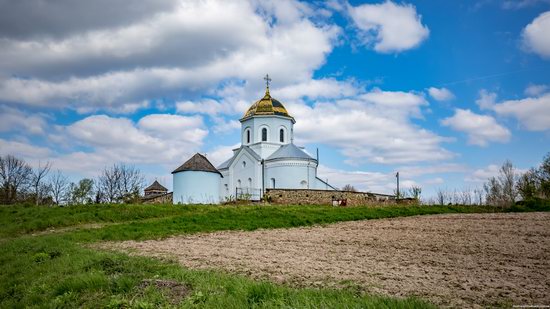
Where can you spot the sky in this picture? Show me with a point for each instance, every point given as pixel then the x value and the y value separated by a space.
pixel 442 91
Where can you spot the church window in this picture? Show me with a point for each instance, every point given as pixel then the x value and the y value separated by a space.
pixel 248 136
pixel 264 135
pixel 304 184
pixel 238 183
pixel 250 182
pixel 244 164
pixel 273 183
pixel 282 135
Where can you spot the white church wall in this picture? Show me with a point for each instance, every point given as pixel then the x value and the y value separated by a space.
pixel 244 174
pixel 272 123
pixel 290 174
pixel 196 187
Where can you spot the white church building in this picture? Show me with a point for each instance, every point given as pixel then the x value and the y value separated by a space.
pixel 267 158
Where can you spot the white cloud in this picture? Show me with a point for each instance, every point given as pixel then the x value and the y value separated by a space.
pixel 390 27
pixel 156 56
pixel 22 149
pixel 535 35
pixel 373 126
pixel 535 90
pixel 486 99
pixel 441 94
pixel 14 120
pixel 221 154
pixel 163 140
pixel 317 88
pixel 532 113
pixel 482 174
pixel 481 129
pixel 361 180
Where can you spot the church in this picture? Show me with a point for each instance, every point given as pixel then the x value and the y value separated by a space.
pixel 267 158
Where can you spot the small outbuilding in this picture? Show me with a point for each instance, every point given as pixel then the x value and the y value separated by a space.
pixel 155 189
pixel 196 181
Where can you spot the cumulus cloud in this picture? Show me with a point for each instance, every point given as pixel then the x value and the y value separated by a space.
pixel 481 129
pixel 23 149
pixel 482 174
pixel 533 113
pixel 441 94
pixel 390 27
pixel 361 180
pixel 153 56
pixel 486 99
pixel 535 35
pixel 373 126
pixel 535 90
pixel 14 120
pixel 35 18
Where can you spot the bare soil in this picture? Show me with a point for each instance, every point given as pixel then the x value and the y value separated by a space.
pixel 458 260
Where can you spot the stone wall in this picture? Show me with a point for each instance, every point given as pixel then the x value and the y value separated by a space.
pixel 336 198
pixel 158 199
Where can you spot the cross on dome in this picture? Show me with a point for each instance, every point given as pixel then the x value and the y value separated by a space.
pixel 267 80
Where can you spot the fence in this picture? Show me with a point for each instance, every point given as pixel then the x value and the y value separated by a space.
pixel 248 194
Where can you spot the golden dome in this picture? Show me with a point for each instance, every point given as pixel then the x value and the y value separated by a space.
pixel 267 106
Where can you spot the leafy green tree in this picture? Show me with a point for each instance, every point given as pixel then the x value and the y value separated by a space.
pixel 529 184
pixel 82 193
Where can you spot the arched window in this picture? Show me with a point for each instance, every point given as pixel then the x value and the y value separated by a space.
pixel 282 135
pixel 239 183
pixel 273 183
pixel 304 184
pixel 264 135
pixel 250 182
pixel 248 136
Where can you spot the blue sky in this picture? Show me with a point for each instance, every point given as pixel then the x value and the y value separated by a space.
pixel 442 91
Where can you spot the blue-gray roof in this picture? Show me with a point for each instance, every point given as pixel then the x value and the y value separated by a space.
pixel 289 151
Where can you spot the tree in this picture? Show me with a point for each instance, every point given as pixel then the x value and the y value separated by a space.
pixel 81 193
pixel 14 176
pixel 478 196
pixel 415 192
pixel 59 185
pixel 120 183
pixel 349 187
pixel 544 177
pixel 507 177
pixel 441 197
pixel 38 175
pixel 502 190
pixel 528 184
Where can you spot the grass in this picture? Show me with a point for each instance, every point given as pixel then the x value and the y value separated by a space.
pixel 55 270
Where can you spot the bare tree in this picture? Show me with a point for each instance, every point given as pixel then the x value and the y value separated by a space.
pixel 349 187
pixel 415 192
pixel 507 178
pixel 478 196
pixel 441 196
pixel 466 197
pixel 120 183
pixel 59 185
pixel 14 175
pixel 38 176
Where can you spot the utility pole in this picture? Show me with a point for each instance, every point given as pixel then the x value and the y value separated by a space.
pixel 397 175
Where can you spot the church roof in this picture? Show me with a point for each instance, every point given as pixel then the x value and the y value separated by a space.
pixel 156 186
pixel 289 151
pixel 197 162
pixel 267 106
pixel 227 163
